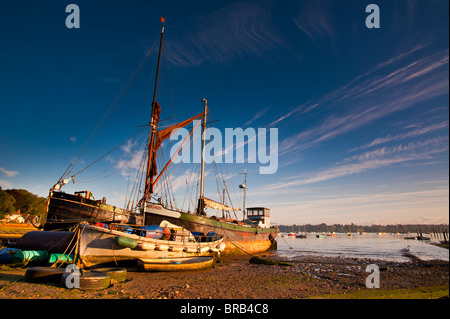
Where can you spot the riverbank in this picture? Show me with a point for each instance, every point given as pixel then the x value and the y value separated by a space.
pixel 236 278
pixel 14 231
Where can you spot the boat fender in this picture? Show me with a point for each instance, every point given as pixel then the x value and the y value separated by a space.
pixel 175 248
pixel 203 249
pixel 35 257
pixel 147 246
pixel 190 250
pixel 125 242
pixel 53 258
pixel 222 246
pixel 162 247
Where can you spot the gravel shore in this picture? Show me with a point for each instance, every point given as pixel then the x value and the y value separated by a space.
pixel 236 278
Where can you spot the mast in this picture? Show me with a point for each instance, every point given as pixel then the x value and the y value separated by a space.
pixel 153 126
pixel 244 188
pixel 201 205
pixel 202 175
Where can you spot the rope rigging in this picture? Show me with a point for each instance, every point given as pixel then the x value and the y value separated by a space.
pixel 127 162
pixel 107 115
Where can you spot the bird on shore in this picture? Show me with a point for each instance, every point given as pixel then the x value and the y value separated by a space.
pixel 406 250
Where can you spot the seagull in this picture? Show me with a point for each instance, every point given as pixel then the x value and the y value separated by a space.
pixel 406 250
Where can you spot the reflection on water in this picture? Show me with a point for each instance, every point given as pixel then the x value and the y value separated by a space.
pixel 387 247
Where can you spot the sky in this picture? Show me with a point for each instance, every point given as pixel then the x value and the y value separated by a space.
pixel 362 114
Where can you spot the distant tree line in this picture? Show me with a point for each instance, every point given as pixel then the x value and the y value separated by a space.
pixel 11 200
pixel 339 228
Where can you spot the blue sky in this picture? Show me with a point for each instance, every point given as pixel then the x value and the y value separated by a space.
pixel 362 114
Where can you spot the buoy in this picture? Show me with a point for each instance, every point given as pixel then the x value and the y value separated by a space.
pixel 60 258
pixel 125 242
pixel 35 257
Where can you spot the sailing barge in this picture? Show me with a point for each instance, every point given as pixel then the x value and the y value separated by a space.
pixel 252 234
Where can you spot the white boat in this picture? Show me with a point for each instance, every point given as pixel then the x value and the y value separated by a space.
pixel 98 245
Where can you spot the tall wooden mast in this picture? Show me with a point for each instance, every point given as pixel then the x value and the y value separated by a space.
pixel 201 203
pixel 153 128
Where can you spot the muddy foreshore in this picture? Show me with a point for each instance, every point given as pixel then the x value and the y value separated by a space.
pixel 236 278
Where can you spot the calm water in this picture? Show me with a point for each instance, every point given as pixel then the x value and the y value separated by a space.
pixel 370 245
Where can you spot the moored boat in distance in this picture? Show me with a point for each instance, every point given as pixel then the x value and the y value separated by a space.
pixel 292 235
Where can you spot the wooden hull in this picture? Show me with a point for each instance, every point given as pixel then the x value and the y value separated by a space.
pixel 239 239
pixel 99 246
pixel 176 264
pixel 65 210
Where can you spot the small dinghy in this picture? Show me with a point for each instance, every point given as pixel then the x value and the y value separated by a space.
pixel 176 264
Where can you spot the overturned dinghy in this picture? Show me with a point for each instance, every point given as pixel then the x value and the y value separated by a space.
pixel 98 245
pixel 176 264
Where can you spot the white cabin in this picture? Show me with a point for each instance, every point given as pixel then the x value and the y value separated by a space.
pixel 259 216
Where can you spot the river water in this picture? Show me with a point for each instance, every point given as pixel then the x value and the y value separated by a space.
pixel 389 247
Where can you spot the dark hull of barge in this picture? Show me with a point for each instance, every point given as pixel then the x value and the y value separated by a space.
pixel 66 210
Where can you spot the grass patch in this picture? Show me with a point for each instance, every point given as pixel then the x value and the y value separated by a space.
pixel 11 228
pixel 431 292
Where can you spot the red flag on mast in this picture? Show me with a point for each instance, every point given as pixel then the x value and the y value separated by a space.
pixel 163 20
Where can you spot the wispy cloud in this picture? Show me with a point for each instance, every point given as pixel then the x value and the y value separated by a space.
pixel 258 114
pixel 314 21
pixel 9 173
pixel 412 133
pixel 371 97
pixel 345 90
pixel 370 160
pixel 131 160
pixel 236 30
